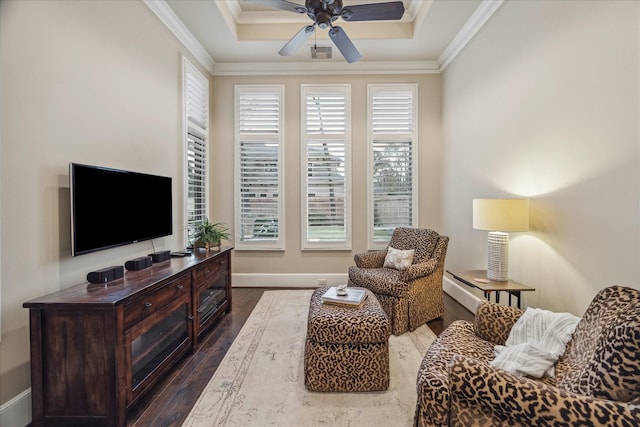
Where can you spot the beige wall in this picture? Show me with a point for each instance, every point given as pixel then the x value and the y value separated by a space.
pixel 90 82
pixel 544 103
pixel 99 83
pixel 293 259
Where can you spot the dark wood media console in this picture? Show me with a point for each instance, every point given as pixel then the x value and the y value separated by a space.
pixel 96 349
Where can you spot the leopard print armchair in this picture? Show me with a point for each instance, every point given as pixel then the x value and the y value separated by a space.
pixel 597 381
pixel 413 296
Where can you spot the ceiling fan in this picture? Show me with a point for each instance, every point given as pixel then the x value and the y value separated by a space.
pixel 324 12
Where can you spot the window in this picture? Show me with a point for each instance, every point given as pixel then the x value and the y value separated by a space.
pixel 196 111
pixel 392 191
pixel 326 168
pixel 259 172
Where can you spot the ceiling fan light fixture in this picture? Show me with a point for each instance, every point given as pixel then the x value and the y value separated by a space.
pixel 323 20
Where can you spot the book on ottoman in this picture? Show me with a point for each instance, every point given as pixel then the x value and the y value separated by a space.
pixel 354 297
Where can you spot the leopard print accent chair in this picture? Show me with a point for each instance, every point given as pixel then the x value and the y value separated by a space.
pixel 597 380
pixel 413 296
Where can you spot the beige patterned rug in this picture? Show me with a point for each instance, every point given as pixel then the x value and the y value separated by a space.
pixel 260 381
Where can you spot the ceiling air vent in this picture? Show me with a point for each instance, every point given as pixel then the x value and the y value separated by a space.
pixel 320 52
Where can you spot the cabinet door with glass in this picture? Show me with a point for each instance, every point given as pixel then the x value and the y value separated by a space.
pixel 211 292
pixel 153 344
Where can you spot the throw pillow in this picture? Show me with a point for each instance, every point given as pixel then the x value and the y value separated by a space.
pixel 398 259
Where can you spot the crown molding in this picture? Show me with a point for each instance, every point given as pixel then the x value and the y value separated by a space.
pixel 420 13
pixel 277 17
pixel 175 25
pixel 418 10
pixel 325 68
pixel 476 21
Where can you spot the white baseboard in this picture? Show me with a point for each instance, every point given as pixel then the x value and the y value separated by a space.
pixel 464 297
pixel 306 280
pixel 312 280
pixel 17 411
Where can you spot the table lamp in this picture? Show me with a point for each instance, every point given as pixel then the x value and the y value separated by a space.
pixel 499 216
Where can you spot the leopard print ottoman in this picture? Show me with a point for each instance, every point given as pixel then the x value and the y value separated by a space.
pixel 347 348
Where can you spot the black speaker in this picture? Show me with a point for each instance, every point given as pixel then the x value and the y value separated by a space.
pixel 160 256
pixel 106 274
pixel 138 263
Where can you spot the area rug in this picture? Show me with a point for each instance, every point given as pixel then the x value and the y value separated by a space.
pixel 260 381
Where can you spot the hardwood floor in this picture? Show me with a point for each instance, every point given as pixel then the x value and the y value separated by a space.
pixel 171 400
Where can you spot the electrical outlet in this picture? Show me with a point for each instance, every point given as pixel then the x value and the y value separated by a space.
pixel 322 282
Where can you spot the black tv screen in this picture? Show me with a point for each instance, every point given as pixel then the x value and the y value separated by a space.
pixel 112 207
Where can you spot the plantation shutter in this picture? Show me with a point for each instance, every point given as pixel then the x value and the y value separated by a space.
pixel 196 109
pixel 392 124
pixel 196 178
pixel 326 167
pixel 259 198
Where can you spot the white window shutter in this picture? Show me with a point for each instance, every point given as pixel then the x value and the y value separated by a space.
pixel 392 156
pixel 196 111
pixel 259 168
pixel 326 169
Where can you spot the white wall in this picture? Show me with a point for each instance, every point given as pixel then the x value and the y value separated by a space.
pixel 95 82
pixel 544 103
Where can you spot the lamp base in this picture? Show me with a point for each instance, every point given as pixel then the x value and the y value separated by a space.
pixel 498 256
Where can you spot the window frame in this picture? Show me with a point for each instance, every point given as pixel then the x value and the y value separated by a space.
pixel 374 90
pixel 305 139
pixel 201 129
pixel 274 138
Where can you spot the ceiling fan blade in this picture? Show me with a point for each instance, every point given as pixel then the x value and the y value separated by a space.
pixel 344 44
pixel 280 4
pixel 297 40
pixel 373 12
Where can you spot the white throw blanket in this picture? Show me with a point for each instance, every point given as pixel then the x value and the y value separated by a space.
pixel 535 343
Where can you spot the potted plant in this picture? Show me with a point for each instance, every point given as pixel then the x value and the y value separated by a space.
pixel 207 234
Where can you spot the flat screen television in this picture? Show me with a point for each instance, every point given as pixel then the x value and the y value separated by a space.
pixel 113 207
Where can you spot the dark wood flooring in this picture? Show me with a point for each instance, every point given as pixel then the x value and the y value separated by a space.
pixel 172 399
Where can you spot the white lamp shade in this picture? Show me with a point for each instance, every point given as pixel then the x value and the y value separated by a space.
pixel 501 214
